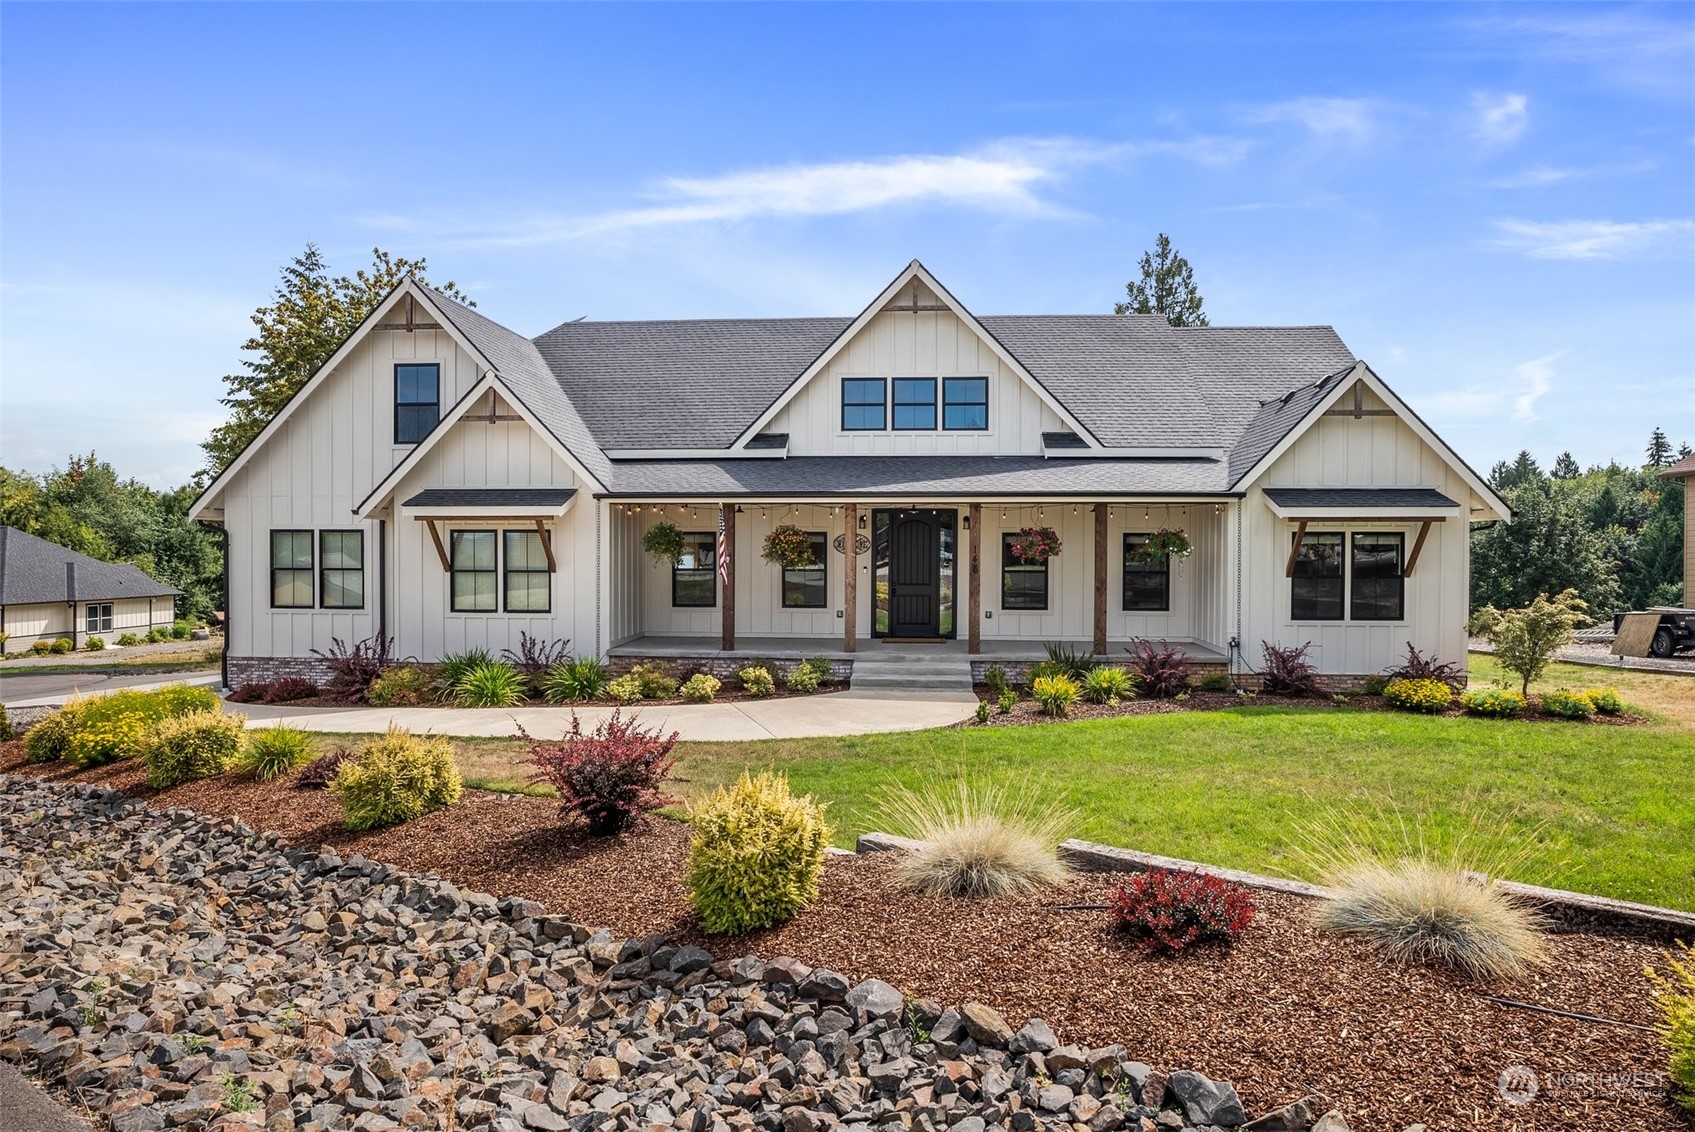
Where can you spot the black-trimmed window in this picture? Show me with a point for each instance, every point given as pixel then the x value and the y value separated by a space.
pixel 864 404
pixel 474 577
pixel 807 587
pixel 1147 585
pixel 341 569
pixel 98 617
pixel 915 404
pixel 1379 590
pixel 417 400
pixel 1024 585
pixel 694 579
pixel 965 403
pixel 291 569
pixel 1315 587
pixel 529 583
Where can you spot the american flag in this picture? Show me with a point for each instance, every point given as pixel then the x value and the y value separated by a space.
pixel 723 551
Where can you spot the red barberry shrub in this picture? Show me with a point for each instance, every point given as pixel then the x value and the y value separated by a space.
pixel 1167 910
pixel 1288 671
pixel 608 779
pixel 1160 672
pixel 289 688
pixel 249 693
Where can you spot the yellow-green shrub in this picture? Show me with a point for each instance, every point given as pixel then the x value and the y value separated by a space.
pixel 757 681
pixel 1492 703
pixel 1674 994
pixel 1606 701
pixel 1056 694
pixel 756 855
pixel 1429 696
pixel 656 683
pixel 700 688
pixel 626 689
pixel 50 740
pixel 117 725
pixel 188 747
pixel 1565 704
pixel 404 685
pixel 1106 684
pixel 803 679
pixel 396 778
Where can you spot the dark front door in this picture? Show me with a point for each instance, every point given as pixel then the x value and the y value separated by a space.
pixel 915 575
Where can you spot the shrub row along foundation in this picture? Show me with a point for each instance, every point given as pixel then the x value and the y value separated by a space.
pixel 169 969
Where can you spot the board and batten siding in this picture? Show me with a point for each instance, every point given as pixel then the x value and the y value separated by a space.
pixel 1343 451
pixel 929 344
pixel 321 463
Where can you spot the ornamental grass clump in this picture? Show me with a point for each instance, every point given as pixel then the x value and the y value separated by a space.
pixel 452 668
pixel 1492 703
pixel 1105 684
pixel 395 778
pixel 1564 704
pixel 606 779
pixel 1055 694
pixel 1431 697
pixel 756 856
pixel 977 841
pixel 576 681
pixel 1674 994
pixel 273 751
pixel 490 685
pixel 1170 909
pixel 700 688
pixel 198 745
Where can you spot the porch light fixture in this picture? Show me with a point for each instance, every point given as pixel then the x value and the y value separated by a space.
pixel 863 521
pixel 966 521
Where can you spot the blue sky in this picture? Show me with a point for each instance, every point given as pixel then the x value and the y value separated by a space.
pixel 1494 205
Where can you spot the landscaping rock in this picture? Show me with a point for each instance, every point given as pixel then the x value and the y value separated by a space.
pixel 1036 1037
pixel 1201 1100
pixel 985 1024
pixel 874 1000
pixel 1298 1116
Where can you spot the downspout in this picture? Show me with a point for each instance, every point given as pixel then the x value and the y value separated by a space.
pixel 224 597
pixel 71 599
pixel 382 580
pixel 1238 637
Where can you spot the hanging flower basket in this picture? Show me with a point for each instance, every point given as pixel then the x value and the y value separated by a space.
pixel 1035 544
pixel 1163 544
pixel 789 547
pixel 664 543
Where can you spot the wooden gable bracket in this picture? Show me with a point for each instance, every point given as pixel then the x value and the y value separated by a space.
pixel 1295 548
pixel 441 551
pixel 915 306
pixel 546 537
pixel 411 322
pixel 491 417
pixel 1359 410
pixel 1418 546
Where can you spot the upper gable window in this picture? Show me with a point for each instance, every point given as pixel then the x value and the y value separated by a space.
pixel 965 404
pixel 915 403
pixel 864 404
pixel 417 401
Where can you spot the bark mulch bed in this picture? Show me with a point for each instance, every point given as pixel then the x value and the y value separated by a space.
pixel 1284 1013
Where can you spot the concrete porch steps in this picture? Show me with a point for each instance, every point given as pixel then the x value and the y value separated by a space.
pixel 911 671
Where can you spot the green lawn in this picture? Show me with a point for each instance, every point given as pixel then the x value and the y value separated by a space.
pixel 1614 804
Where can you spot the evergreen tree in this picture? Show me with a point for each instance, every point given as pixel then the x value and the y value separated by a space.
pixel 1548 547
pixel 1659 450
pixel 1565 468
pixel 1521 471
pixel 1684 451
pixel 310 316
pixel 1167 287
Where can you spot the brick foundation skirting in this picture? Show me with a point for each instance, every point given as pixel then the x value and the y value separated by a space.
pixel 264 669
pixel 725 667
pixel 1018 671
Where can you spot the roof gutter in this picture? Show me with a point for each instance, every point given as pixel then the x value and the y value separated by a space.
pixel 941 493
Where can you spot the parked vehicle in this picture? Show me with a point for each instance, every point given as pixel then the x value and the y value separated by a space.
pixel 1675 633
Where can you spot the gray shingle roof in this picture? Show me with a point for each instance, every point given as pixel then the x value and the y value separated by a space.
pixel 492 497
pixel 1343 498
pixel 916 475
pixel 32 570
pixel 1274 419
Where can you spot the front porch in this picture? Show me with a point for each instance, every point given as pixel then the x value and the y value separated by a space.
pixel 991 650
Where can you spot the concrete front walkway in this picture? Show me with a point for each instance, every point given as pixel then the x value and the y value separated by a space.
pixel 833 713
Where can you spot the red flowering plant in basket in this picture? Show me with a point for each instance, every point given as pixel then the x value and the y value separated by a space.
pixel 1168 909
pixel 1035 544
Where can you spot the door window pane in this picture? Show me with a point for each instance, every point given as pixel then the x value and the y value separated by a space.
pixel 1378 591
pixel 1024 585
pixel 915 403
pixel 1147 585
pixel 1316 587
pixel 473 556
pixel 965 403
pixel 694 580
pixel 291 569
pixel 342 561
pixel 417 401
pixel 805 587
pixel 528 582
pixel 864 405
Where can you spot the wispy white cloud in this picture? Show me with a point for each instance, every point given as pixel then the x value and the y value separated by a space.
pixel 1539 176
pixel 1500 118
pixel 1354 120
pixel 1537 376
pixel 1595 239
pixel 1518 394
pixel 1005 178
pixel 1629 46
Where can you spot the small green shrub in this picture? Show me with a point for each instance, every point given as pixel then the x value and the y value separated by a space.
pixel 158 635
pixel 1056 694
pixel 1104 684
pixel 1074 663
pixel 272 751
pixel 1674 994
pixel 757 681
pixel 625 690
pixel 180 630
pixel 490 685
pixel 575 681
pixel 982 711
pixel 128 640
pixel 802 679
pixel 1492 703
pixel 1564 704
pixel 199 745
pixel 41 648
pixel 1048 669
pixel 6 731
pixel 396 778
pixel 1606 700
pixel 656 683
pixel 1004 701
pixel 994 678
pixel 116 725
pixel 756 856
pixel 452 668
pixel 700 688
pixel 1432 697
pixel 50 739
pixel 821 665
pixel 1215 682
pixel 60 647
pixel 404 685
pixel 1373 685
pixel 94 644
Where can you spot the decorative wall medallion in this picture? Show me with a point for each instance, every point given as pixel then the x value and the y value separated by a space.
pixel 861 544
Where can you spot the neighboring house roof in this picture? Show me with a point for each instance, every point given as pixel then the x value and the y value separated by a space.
pixel 492 497
pixel 1351 498
pixel 1684 467
pixel 918 476
pixel 32 571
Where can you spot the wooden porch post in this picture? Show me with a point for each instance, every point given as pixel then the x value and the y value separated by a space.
pixel 1100 578
pixel 727 516
pixel 850 577
pixel 974 636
